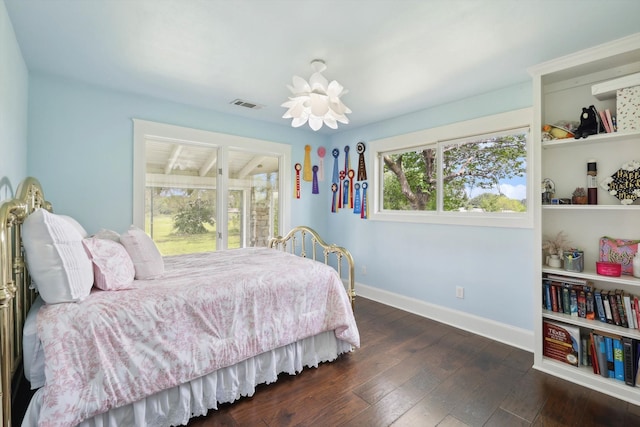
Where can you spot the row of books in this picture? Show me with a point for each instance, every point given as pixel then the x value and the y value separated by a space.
pixel 610 356
pixel 578 297
pixel 608 121
pixel 613 357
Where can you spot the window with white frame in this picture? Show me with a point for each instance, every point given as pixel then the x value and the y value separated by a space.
pixel 474 172
pixel 200 191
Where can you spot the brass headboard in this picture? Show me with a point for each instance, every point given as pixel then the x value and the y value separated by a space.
pixel 15 294
pixel 297 241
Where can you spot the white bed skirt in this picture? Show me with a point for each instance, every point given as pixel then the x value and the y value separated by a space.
pixel 177 405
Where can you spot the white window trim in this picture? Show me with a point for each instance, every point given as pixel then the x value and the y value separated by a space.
pixel 143 129
pixel 484 125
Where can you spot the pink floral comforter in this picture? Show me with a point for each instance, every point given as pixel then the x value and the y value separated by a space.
pixel 207 311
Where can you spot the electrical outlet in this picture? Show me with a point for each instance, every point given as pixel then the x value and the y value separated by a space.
pixel 459 292
pixel 364 270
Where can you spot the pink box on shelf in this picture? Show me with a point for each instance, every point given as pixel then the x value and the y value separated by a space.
pixel 608 268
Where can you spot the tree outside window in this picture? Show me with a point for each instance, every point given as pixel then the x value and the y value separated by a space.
pixel 478 174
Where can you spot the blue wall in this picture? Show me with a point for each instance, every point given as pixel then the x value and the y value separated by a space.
pixel 81 147
pixel 14 79
pixel 428 261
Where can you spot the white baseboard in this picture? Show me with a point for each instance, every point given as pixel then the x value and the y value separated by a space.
pixel 510 335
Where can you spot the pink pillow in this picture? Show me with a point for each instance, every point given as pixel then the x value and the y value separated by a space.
pixel 112 266
pixel 144 253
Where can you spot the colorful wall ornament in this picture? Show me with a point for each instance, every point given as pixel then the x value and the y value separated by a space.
pixel 348 186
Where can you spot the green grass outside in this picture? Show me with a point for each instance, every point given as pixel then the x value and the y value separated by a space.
pixel 172 244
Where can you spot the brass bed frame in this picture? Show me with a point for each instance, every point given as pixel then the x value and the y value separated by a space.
pixel 296 242
pixel 16 295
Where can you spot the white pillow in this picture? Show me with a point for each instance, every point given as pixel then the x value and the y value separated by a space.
pixel 76 224
pixel 112 266
pixel 33 352
pixel 144 253
pixel 57 261
pixel 107 234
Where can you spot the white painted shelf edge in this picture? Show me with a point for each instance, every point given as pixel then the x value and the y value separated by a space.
pixel 599 138
pixel 584 376
pixel 591 324
pixel 592 207
pixel 592 275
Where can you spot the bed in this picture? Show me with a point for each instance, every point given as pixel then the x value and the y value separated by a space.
pixel 171 344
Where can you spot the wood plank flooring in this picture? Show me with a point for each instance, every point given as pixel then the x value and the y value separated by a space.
pixel 412 371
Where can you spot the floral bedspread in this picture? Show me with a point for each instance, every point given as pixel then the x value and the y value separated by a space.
pixel 207 311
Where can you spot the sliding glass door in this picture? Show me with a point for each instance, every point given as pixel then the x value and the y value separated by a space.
pixel 186 182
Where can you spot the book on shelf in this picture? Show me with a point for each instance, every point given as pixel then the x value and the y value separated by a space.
pixel 630 356
pixel 573 302
pixel 561 342
pixel 570 280
pixel 605 122
pixel 594 354
pixel 629 312
pixel 590 306
pixel 610 120
pixel 608 344
pixel 607 306
pixel 618 359
pixel 601 350
pixel 554 297
pixel 615 310
pixel 566 300
pixel 546 295
pixel 621 309
pixel 637 361
pixel 582 304
pixel 599 306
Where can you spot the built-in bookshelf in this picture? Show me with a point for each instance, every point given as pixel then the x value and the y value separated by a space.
pixel 561 88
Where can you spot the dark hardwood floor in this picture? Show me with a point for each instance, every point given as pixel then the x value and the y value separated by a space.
pixel 412 371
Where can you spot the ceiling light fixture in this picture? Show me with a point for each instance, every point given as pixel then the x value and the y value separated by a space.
pixel 317 101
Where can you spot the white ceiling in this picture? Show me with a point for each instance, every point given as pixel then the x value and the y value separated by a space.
pixel 394 56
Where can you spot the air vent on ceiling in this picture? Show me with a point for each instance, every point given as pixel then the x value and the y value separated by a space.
pixel 246 104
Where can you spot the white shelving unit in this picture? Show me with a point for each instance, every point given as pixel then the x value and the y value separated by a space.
pixel 561 88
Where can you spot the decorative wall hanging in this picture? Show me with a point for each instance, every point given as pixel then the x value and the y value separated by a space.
pixel 347 162
pixel 624 184
pixel 306 168
pixel 334 203
pixel 298 167
pixel 314 187
pixel 345 193
pixel 321 153
pixel 335 178
pixel 362 169
pixel 341 185
pixel 364 210
pixel 356 203
pixel 351 174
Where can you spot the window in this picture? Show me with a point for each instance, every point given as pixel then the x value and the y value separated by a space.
pixel 474 173
pixel 182 178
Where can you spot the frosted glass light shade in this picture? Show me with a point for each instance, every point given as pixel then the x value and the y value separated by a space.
pixel 316 102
